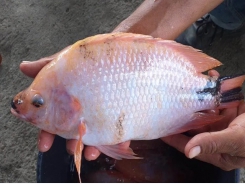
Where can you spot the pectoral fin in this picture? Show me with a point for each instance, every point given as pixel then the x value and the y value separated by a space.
pixel 79 149
pixel 118 152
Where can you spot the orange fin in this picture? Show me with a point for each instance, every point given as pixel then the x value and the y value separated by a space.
pixel 200 119
pixel 118 152
pixel 201 62
pixel 79 149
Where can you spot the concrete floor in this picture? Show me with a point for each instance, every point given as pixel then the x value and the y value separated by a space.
pixel 31 29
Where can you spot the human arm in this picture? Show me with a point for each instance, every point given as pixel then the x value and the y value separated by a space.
pixel 166 19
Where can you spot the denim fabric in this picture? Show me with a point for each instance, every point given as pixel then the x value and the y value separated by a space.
pixel 229 15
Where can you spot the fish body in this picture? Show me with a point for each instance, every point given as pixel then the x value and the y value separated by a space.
pixel 124 86
pixel 129 88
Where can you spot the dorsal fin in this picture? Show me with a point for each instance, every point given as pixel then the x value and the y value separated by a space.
pixel 201 62
pixel 113 36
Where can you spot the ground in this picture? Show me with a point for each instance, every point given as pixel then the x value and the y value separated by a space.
pixel 31 29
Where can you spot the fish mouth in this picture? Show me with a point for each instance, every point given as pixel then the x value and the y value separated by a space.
pixel 22 117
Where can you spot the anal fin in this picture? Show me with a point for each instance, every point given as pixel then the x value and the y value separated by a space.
pixel 200 119
pixel 117 152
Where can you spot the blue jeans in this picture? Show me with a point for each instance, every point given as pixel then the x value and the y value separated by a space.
pixel 229 15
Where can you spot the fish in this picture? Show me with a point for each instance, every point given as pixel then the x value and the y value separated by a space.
pixel 110 88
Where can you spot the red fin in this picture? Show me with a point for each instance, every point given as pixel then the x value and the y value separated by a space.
pixel 232 83
pixel 79 149
pixel 117 152
pixel 200 119
pixel 202 62
pixel 114 36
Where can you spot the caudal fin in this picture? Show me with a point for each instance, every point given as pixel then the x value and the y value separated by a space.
pixel 231 90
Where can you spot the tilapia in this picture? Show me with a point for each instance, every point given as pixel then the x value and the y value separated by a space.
pixel 111 88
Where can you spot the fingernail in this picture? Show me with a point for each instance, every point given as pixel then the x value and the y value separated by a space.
pixel 194 151
pixel 25 61
pixel 45 146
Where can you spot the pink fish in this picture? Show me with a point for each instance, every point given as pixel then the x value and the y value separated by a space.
pixel 111 88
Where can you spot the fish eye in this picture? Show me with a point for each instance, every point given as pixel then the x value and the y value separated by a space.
pixel 37 100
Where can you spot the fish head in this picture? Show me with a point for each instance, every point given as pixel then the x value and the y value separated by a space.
pixel 50 108
pixel 30 105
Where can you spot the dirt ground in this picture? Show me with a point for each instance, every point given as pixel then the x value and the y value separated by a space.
pixel 31 29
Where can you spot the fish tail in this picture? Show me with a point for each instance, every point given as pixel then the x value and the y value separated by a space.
pixel 230 90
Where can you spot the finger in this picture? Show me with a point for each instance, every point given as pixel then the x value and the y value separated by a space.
pixel 213 73
pixel 177 141
pixel 241 107
pixel 31 69
pixel 91 153
pixel 204 143
pixel 71 145
pixel 223 161
pixel 238 122
pixel 228 162
pixel 230 141
pixel 45 140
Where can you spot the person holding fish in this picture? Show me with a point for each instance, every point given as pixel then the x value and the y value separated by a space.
pixel 222 143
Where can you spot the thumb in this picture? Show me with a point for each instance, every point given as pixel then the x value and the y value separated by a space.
pixel 229 141
pixel 31 69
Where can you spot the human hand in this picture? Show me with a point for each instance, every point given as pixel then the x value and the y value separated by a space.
pixel 221 144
